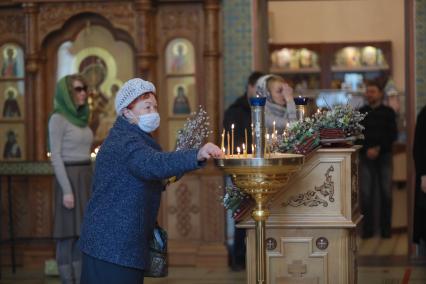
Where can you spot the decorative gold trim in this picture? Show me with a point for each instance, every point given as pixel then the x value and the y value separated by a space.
pixel 313 198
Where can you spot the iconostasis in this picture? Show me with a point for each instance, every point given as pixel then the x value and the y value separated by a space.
pixel 12 102
pixel 181 85
pixel 106 64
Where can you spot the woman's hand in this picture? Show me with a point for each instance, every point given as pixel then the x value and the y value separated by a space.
pixel 423 184
pixel 68 201
pixel 209 150
pixel 287 93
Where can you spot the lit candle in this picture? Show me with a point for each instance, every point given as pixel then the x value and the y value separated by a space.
pixel 244 150
pixel 273 129
pixel 318 111
pixel 252 133
pixel 232 140
pixel 229 153
pixel 266 143
pixel 224 151
pixel 245 137
pixel 252 150
pixel 238 151
pixel 223 139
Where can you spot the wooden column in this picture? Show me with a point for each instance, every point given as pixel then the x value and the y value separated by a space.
pixel 36 111
pixel 410 101
pixel 146 42
pixel 260 36
pixel 211 61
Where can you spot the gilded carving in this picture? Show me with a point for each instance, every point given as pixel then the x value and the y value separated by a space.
pixel 183 209
pixel 354 180
pixel 261 183
pixel 13 23
pixel 179 18
pixel 316 197
pixel 53 15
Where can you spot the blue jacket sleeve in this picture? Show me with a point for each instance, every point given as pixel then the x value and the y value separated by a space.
pixel 150 164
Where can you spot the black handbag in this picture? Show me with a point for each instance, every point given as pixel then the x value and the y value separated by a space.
pixel 158 266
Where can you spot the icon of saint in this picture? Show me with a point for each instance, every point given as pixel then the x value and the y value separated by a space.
pixel 181 102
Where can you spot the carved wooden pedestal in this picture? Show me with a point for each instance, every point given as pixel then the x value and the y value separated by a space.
pixel 195 220
pixel 310 235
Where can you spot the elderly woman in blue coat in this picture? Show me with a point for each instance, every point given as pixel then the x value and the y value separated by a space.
pixel 128 181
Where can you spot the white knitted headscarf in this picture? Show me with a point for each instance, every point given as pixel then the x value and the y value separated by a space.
pixel 262 87
pixel 274 112
pixel 131 90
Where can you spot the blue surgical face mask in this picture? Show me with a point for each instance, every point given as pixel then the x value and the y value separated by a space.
pixel 149 122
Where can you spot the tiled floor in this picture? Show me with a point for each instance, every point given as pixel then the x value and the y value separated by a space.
pixel 381 261
pixel 189 275
pixel 395 246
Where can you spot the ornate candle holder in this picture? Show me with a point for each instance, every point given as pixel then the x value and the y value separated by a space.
pixel 261 177
pixel 301 103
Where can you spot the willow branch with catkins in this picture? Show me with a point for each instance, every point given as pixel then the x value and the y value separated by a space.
pixel 195 131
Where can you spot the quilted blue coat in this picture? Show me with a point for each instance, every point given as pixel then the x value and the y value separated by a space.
pixel 128 181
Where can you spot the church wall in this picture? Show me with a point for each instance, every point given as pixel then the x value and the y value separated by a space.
pixel 420 55
pixel 237 47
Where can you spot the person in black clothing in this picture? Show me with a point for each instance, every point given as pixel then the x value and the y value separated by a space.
pixel 419 155
pixel 239 114
pixel 376 160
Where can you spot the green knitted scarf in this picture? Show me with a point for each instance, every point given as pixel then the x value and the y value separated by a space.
pixel 64 104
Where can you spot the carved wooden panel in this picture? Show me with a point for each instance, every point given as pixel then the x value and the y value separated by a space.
pixel 12 25
pixel 53 15
pixel 32 207
pixel 354 182
pixel 183 209
pixel 316 197
pixel 175 18
pixel 297 259
pixel 214 213
pixel 319 189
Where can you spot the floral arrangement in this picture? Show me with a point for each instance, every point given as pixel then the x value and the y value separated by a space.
pixel 195 131
pixel 299 138
pixel 341 121
pixel 236 200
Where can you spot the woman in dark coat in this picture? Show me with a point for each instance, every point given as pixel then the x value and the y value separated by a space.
pixel 129 178
pixel 419 151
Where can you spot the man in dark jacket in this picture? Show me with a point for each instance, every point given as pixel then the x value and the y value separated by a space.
pixel 376 160
pixel 239 114
pixel 419 155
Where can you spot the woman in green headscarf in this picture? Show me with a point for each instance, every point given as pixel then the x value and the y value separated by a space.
pixel 70 141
